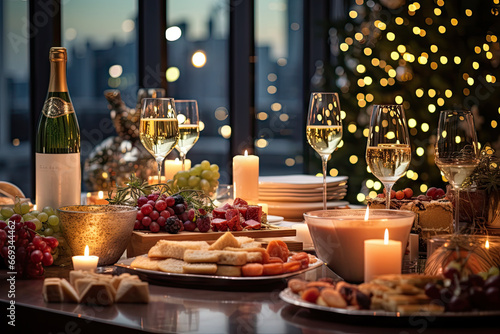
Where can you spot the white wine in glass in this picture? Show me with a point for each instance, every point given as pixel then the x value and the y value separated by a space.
pixel 457 151
pixel 324 128
pixel 189 126
pixel 388 151
pixel 159 129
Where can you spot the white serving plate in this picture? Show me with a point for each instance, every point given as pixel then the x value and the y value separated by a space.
pixel 295 210
pixel 302 198
pixel 298 181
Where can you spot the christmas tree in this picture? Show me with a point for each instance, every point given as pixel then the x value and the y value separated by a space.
pixel 427 56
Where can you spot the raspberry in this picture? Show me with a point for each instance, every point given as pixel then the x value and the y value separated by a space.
pixel 203 223
pixel 172 225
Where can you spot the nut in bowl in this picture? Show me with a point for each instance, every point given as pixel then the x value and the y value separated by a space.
pixel 339 235
pixel 107 229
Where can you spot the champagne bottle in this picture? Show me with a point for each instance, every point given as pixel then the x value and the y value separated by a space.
pixel 58 175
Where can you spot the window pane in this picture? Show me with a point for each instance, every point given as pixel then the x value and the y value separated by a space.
pixel 199 28
pixel 14 95
pixel 280 128
pixel 102 54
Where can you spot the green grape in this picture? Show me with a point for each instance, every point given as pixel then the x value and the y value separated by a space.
pixel 214 184
pixel 214 168
pixel 207 174
pixel 35 213
pixel 216 175
pixel 42 216
pixel 185 174
pixel 56 228
pixel 195 171
pixel 193 181
pixel 49 211
pixel 2 218
pixel 53 220
pixel 48 231
pixel 17 208
pixel 182 182
pixel 205 164
pixel 494 271
pixel 38 224
pixel 28 217
pixel 7 212
pixel 25 208
pixel 204 185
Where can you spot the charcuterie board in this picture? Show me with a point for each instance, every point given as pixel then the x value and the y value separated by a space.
pixel 142 241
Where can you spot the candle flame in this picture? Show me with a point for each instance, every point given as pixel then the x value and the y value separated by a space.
pixel 367 213
pixel 386 237
pixel 246 153
pixel 487 244
pixel 34 207
pixel 100 194
pixel 176 160
pixel 86 252
pixel 89 194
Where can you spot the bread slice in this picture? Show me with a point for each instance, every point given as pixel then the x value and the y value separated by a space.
pixel 51 291
pixel 226 240
pixel 253 244
pixel 174 249
pixel 98 293
pixel 132 291
pixel 116 280
pixel 143 262
pixel 254 257
pixel 199 268
pixel 69 293
pixel 244 240
pixel 171 266
pixel 77 274
pixel 232 258
pixel 194 256
pixel 250 249
pixel 82 284
pixel 232 271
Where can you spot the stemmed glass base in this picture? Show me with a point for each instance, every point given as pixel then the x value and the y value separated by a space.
pixel 159 161
pixel 457 209
pixel 388 190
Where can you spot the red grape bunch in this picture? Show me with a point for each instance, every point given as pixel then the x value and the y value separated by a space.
pixel 161 212
pixel 464 293
pixel 23 250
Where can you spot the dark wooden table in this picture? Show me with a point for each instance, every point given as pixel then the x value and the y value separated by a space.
pixel 181 310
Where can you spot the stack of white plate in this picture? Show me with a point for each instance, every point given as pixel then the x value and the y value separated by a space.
pixel 292 195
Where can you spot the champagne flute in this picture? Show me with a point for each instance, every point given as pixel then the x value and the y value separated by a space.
pixel 159 129
pixel 388 151
pixel 189 129
pixel 457 151
pixel 324 128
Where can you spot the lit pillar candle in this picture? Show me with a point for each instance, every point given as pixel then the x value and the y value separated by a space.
pixel 303 235
pixel 85 262
pixel 382 257
pixel 246 177
pixel 265 208
pixel 174 166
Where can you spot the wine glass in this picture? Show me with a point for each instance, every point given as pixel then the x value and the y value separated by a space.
pixel 388 151
pixel 189 129
pixel 324 128
pixel 457 151
pixel 159 129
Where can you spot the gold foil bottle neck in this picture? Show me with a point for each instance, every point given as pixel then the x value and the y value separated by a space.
pixel 58 54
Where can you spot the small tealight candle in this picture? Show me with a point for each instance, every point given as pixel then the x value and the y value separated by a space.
pixel 246 177
pixel 382 257
pixel 174 166
pixel 85 262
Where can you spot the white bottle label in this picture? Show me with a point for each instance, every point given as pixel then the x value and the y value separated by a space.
pixel 58 180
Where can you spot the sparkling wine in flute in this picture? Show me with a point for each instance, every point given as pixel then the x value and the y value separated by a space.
pixel 388 162
pixel 159 135
pixel 188 136
pixel 457 172
pixel 323 138
pixel 57 159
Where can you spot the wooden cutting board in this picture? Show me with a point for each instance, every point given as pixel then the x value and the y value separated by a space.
pixel 142 241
